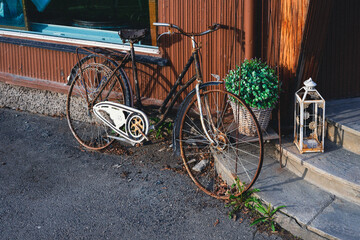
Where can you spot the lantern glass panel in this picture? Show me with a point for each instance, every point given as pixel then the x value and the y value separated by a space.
pixel 312 95
pixel 313 125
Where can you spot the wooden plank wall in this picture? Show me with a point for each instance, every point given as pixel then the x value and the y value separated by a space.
pixel 35 63
pixel 339 72
pixel 284 23
pixel 220 50
pixel 315 34
pixel 282 29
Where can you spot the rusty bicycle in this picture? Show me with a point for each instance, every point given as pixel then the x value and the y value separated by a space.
pixel 101 109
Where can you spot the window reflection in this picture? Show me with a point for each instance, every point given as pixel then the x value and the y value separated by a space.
pixel 11 13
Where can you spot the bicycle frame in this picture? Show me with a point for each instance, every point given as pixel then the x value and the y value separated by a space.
pixel 174 92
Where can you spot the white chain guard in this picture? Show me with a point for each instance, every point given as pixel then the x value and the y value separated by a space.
pixel 119 115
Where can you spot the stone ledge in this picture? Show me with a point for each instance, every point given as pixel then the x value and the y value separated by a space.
pixel 308 212
pixel 343 136
pixel 335 171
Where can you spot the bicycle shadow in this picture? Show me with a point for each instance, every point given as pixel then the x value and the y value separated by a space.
pixel 155 82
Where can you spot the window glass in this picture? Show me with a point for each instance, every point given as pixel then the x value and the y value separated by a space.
pixel 12 14
pixel 102 16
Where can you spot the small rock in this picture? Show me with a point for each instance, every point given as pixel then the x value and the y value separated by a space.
pixel 159 182
pixel 162 149
pixel 191 161
pixel 117 166
pixel 200 165
pixel 124 174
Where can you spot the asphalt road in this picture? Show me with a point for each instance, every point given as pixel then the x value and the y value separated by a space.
pixel 50 188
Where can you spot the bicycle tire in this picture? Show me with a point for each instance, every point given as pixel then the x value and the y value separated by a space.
pixel 87 129
pixel 232 155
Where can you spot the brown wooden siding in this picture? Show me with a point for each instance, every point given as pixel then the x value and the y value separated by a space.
pixel 220 50
pixel 339 71
pixel 289 35
pixel 283 24
pixel 35 63
pixel 276 37
pixel 314 38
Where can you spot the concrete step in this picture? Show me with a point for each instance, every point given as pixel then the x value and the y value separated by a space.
pixel 343 123
pixel 311 212
pixel 337 170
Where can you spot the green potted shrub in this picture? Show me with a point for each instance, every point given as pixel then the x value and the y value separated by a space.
pixel 257 85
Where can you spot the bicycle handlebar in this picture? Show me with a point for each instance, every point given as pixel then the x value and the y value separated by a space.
pixel 212 28
pixel 161 24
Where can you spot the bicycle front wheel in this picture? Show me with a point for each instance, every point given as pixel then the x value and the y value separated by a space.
pixel 88 130
pixel 215 159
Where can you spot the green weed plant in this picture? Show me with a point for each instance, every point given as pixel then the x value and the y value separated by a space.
pixel 246 200
pixel 164 129
pixel 268 215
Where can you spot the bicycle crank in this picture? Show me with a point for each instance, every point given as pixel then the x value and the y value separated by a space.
pixel 130 123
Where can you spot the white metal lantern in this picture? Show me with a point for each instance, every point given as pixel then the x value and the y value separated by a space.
pixel 309 119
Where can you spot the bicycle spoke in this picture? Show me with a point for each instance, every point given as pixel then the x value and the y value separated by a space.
pixel 241 157
pixel 90 83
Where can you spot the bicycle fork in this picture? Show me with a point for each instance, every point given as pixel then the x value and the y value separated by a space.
pixel 197 88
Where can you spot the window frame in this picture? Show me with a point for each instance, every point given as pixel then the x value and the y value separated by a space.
pixel 51 32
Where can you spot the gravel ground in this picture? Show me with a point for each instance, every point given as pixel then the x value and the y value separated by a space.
pixel 50 188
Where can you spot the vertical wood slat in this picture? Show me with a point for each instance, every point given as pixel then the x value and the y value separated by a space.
pixel 282 31
pixel 339 73
pixel 326 45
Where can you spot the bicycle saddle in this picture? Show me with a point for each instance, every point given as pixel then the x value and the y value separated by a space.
pixel 133 35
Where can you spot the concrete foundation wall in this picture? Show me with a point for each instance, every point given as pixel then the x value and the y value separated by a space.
pixel 32 100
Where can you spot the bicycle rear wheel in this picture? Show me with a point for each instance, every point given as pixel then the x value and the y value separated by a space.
pixel 88 130
pixel 215 163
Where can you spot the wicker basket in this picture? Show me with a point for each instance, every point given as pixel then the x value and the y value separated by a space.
pixel 244 120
